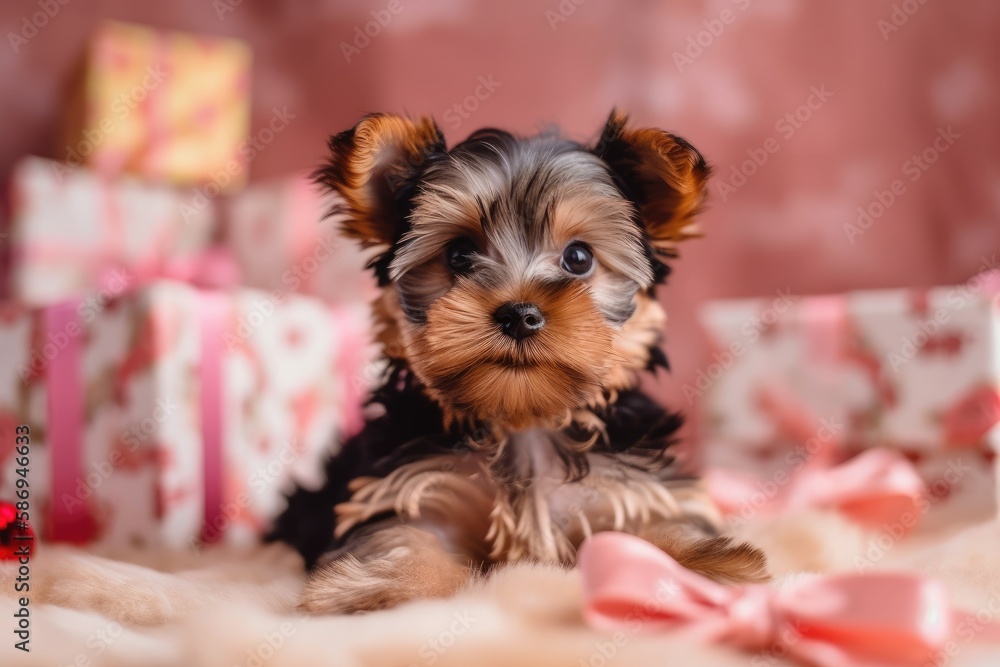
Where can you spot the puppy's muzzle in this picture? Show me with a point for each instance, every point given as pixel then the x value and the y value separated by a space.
pixel 519 320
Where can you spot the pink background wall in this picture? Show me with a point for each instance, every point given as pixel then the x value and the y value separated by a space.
pixel 893 88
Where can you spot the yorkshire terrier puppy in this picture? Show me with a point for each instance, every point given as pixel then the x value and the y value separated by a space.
pixel 517 311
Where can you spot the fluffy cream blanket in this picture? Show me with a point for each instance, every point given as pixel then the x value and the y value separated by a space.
pixel 223 608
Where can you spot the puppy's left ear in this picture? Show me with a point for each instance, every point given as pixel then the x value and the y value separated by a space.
pixel 374 167
pixel 662 174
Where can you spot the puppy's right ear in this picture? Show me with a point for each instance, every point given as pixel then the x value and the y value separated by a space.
pixel 373 167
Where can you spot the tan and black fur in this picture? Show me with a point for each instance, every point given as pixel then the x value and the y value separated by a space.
pixel 491 448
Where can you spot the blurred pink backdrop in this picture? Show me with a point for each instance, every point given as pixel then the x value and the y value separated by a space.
pixel 884 78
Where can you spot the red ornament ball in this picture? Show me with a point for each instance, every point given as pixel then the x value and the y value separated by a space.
pixel 16 536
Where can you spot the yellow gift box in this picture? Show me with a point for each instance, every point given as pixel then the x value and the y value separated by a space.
pixel 169 106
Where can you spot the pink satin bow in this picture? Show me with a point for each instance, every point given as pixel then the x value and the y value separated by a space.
pixel 849 620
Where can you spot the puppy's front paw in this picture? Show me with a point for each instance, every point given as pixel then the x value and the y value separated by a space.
pixel 348 585
pixel 720 558
pixel 728 561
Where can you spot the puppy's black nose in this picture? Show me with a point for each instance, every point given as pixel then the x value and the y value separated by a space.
pixel 519 320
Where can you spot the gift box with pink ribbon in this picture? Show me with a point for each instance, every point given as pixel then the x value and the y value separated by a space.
pixel 800 385
pixel 70 232
pixel 169 106
pixel 169 415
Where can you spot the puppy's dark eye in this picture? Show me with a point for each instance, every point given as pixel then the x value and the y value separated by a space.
pixel 578 259
pixel 459 254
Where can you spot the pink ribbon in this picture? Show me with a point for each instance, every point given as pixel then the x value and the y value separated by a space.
pixel 876 487
pixel 849 620
pixel 68 521
pixel 212 268
pixel 213 310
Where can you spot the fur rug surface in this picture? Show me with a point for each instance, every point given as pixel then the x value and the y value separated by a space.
pixel 228 608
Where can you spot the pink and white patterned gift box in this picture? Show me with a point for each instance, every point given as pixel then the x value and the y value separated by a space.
pixel 170 416
pixel 69 227
pixel 917 371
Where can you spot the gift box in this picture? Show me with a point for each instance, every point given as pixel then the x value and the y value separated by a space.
pixel 169 415
pixel 166 105
pixel 916 371
pixel 282 239
pixel 68 231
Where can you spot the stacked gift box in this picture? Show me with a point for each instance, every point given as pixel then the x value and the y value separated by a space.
pixel 912 371
pixel 182 346
pixel 67 229
pixel 171 412
pixel 171 106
